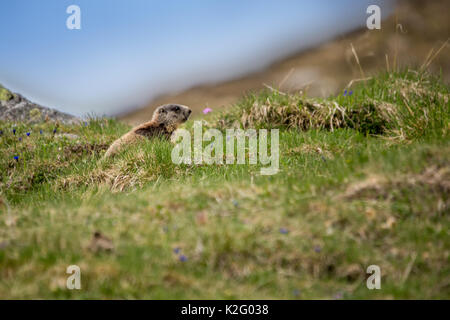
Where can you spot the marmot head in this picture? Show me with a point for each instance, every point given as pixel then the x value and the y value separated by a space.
pixel 171 115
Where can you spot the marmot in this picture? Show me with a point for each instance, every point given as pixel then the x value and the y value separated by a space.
pixel 165 121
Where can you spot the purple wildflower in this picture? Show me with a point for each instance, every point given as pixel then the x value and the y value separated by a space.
pixel 183 258
pixel 16 158
pixel 54 130
pixel 14 131
pixel 1 132
pixel 351 92
pixel 284 231
pixel 317 249
pixel 28 134
pixel 207 110
pixel 40 131
pixel 339 295
pixel 20 138
pixel 176 250
pixel 345 93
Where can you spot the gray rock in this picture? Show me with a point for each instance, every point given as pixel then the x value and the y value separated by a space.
pixel 18 108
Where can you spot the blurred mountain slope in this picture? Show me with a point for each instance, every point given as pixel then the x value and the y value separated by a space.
pixel 406 39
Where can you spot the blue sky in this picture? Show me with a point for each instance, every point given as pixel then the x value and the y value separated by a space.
pixel 128 52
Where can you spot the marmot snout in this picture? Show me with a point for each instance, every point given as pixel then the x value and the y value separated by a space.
pixel 165 121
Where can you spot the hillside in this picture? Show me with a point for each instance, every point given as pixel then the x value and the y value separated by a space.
pixel 364 179
pixel 326 70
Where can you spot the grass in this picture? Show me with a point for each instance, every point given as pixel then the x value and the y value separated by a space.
pixel 372 188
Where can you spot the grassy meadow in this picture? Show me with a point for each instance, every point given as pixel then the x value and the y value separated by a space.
pixel 364 180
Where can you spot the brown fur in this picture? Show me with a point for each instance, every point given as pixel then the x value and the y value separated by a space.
pixel 165 121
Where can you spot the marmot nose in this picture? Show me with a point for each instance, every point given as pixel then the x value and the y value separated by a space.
pixel 189 111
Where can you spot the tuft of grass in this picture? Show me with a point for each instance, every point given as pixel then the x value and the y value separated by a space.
pixel 354 189
pixel 401 105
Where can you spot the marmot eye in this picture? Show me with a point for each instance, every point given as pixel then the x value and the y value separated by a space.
pixel 177 108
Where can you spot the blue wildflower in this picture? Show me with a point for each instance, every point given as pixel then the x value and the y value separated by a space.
pixel 345 93
pixel 28 134
pixel 20 138
pixel 14 131
pixel 183 258
pixel 16 158
pixel 317 249
pixel 40 131
pixel 284 231
pixel 54 130
pixel 1 132
pixel 176 250
pixel 85 124
pixel 351 92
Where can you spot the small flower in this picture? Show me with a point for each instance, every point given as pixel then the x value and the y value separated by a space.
pixel 20 138
pixel 14 131
pixel 345 93
pixel 351 92
pixel 16 158
pixel 183 258
pixel 176 250
pixel 85 124
pixel 41 132
pixel 317 249
pixel 1 132
pixel 235 203
pixel 207 110
pixel 284 231
pixel 339 295
pixel 28 134
pixel 54 130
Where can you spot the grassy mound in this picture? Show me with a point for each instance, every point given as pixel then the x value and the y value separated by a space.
pixel 364 179
pixel 405 105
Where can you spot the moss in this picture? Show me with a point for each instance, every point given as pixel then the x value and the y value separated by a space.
pixel 5 94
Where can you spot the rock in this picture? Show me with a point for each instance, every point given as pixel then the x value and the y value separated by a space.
pixel 14 107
